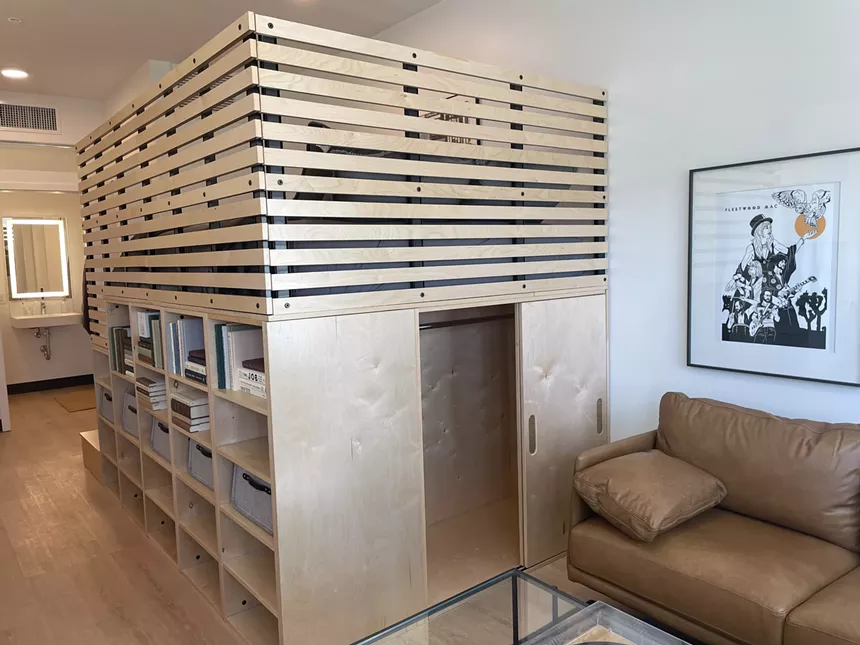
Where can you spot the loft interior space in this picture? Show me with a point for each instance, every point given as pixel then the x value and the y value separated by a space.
pixel 429 322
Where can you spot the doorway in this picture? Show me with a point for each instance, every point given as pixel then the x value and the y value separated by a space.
pixel 469 421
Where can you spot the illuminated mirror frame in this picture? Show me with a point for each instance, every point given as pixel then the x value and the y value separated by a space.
pixel 8 223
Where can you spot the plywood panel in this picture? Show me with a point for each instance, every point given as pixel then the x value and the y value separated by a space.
pixel 562 354
pixel 468 409
pixel 348 473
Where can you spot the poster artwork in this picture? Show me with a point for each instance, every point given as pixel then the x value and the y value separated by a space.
pixel 777 264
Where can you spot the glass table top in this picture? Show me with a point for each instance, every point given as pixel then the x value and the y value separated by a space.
pixel 516 608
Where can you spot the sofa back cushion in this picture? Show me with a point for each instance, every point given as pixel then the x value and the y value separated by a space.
pixel 803 475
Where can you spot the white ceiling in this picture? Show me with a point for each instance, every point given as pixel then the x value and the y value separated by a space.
pixel 87 48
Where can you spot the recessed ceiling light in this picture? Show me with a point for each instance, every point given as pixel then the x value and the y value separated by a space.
pixel 11 72
pixel 15 21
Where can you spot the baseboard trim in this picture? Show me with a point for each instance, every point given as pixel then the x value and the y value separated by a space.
pixel 49 384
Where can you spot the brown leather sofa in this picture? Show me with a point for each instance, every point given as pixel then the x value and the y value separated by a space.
pixel 775 563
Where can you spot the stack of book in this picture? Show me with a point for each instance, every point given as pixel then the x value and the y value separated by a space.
pixel 153 393
pixel 121 357
pixel 190 412
pixel 252 377
pixel 239 349
pixel 149 349
pixel 184 340
pixel 195 366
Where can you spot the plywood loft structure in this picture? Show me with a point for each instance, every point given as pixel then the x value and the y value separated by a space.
pixel 421 241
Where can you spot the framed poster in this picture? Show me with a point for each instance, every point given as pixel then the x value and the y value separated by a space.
pixel 773 282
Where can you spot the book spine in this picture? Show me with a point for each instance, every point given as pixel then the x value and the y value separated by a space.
pixel 253 376
pixel 197 368
pixel 194 376
pixel 252 388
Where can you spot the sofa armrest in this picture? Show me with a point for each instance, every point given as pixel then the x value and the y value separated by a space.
pixel 579 510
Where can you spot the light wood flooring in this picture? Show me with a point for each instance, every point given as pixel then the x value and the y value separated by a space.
pixel 74 567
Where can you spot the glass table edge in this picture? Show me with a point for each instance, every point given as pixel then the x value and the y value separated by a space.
pixel 516 573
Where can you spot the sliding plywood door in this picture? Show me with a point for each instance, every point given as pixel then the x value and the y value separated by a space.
pixel 562 395
pixel 346 415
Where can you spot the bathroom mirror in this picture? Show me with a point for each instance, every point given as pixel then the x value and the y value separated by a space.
pixel 36 258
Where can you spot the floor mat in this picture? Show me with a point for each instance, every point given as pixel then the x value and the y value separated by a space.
pixel 77 400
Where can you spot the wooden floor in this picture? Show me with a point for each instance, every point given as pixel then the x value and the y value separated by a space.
pixel 74 567
pixel 465 550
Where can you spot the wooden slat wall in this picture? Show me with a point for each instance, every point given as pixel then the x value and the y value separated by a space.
pixel 288 169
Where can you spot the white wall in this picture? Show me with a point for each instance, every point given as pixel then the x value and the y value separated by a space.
pixel 76 118
pixel 70 345
pixel 148 73
pixel 691 84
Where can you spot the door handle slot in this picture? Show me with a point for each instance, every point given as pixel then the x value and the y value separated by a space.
pixel 532 436
pixel 599 416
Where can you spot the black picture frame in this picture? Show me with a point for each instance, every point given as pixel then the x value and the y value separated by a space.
pixel 690 237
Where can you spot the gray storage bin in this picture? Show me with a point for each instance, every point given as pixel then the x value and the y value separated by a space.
pixel 200 463
pixel 129 414
pixel 252 497
pixel 159 439
pixel 106 405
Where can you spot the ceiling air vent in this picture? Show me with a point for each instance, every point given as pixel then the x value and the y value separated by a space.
pixel 28 117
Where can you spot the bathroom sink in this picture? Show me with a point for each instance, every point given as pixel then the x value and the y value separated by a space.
pixel 35 321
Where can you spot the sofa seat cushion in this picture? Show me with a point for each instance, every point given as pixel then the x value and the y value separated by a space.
pixel 645 494
pixel 733 574
pixel 830 617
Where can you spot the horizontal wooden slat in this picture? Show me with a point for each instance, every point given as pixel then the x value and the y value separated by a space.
pixel 241 108
pixel 317 61
pixel 239 135
pixel 166 222
pixel 236 58
pixel 319 232
pixel 377 119
pixel 370 141
pixel 230 188
pixel 187 279
pixel 99 344
pixel 235 257
pixel 246 304
pixel 389 51
pixel 370 210
pixel 343 162
pixel 239 83
pixel 321 305
pixel 225 38
pixel 247 233
pixel 243 159
pixel 330 256
pixel 338 186
pixel 347 91
pixel 322 279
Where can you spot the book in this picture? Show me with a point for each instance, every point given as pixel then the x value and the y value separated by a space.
pixel 157 345
pixel 252 388
pixel 173 348
pixel 188 427
pixel 143 351
pixel 252 376
pixel 194 376
pixel 256 364
pixel 198 356
pixel 196 361
pixel 144 323
pixel 196 368
pixel 189 411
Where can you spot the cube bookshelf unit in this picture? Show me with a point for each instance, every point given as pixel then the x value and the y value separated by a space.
pixel 317 190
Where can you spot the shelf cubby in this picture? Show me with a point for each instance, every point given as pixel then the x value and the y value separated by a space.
pixel 199 566
pixel 242 436
pixel 197 516
pixel 204 437
pixel 251 402
pixel 103 381
pixel 124 395
pixel 146 430
pixel 110 475
pixel 249 561
pixel 247 525
pixel 131 498
pixel 107 440
pixel 160 526
pixel 128 459
pixel 180 457
pixel 247 615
